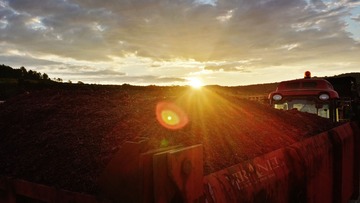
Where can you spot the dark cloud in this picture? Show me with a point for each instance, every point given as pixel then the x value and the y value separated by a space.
pixel 93 30
pixel 264 32
pixel 55 27
pixel 319 4
pixel 18 61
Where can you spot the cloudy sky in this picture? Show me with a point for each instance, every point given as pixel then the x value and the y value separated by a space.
pixel 169 42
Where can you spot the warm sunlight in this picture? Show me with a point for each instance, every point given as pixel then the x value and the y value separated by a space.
pixel 195 83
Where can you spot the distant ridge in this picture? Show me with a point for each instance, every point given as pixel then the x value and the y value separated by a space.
pixel 355 75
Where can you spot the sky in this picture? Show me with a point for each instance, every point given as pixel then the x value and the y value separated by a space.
pixel 171 42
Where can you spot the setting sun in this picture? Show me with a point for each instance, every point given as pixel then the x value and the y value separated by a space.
pixel 195 83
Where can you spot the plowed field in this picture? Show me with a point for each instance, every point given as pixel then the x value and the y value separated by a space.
pixel 65 137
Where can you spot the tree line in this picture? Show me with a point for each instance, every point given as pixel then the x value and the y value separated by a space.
pixel 23 74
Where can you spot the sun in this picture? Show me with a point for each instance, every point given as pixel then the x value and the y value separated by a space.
pixel 195 83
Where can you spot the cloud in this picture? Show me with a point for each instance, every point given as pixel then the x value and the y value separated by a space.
pixel 19 61
pixel 138 80
pixel 240 66
pixel 274 32
pixel 97 73
pixel 93 30
pixel 357 18
pixel 152 79
pixel 106 76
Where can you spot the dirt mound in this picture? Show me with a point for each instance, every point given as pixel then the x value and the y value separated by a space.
pixel 66 137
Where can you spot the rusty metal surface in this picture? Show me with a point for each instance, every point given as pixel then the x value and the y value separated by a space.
pixel 343 142
pixel 121 178
pixel 178 174
pixel 185 168
pixel 356 129
pixel 317 169
pixel 263 179
pixel 302 172
pixel 161 175
pixel 316 162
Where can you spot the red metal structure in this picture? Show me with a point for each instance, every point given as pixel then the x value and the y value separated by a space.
pixel 312 95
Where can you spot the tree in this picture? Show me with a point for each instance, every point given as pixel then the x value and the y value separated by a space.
pixel 22 74
pixel 6 72
pixel 37 76
pixel 23 71
pixel 45 77
pixel 30 75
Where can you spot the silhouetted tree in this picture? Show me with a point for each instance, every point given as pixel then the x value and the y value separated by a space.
pixel 30 75
pixel 22 74
pixel 7 72
pixel 23 71
pixel 45 77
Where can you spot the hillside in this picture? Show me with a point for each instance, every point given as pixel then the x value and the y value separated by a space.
pixel 64 137
pixel 355 75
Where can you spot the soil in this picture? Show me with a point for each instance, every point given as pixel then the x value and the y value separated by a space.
pixel 65 137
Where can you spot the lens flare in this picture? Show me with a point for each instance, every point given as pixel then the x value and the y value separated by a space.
pixel 164 143
pixel 171 116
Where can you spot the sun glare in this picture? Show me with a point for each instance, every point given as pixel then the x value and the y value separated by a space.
pixel 195 83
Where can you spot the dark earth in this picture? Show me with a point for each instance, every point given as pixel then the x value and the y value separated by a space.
pixel 65 137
